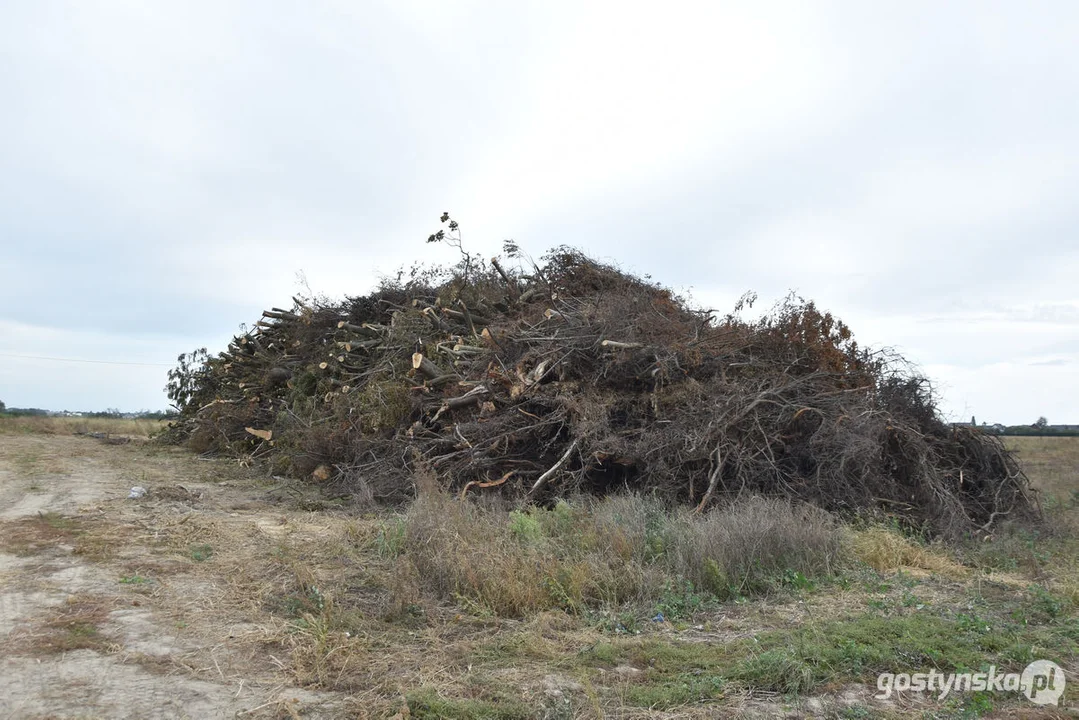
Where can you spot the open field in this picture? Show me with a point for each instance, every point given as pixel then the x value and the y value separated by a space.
pixel 224 593
pixel 1052 463
pixel 133 427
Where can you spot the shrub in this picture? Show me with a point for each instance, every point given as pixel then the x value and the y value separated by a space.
pixel 754 545
pixel 619 550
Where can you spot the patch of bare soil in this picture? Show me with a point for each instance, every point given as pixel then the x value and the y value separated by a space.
pixel 113 607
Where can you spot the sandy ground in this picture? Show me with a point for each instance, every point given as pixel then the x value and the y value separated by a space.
pixel 106 612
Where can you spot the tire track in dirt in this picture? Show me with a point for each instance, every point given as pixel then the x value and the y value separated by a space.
pixel 144 645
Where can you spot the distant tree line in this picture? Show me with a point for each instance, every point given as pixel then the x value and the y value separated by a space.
pixel 1035 431
pixel 158 415
pixel 109 413
pixel 1040 427
pixel 23 412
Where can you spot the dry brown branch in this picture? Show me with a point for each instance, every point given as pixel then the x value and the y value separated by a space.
pixel 264 434
pixel 713 479
pixel 545 477
pixel 493 483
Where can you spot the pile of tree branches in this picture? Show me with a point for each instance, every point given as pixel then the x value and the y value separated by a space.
pixel 537 379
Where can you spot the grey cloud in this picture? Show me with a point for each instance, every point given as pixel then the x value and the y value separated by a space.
pixel 168 170
pixel 1055 362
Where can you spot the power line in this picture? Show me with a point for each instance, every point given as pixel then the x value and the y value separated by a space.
pixel 77 360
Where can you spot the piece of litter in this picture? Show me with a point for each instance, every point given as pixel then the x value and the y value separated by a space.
pixel 136 492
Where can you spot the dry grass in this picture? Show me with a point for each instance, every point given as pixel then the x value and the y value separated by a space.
pixel 294 576
pixel 74 625
pixel 38 533
pixel 749 546
pixel 888 551
pixel 128 427
pixel 611 552
pixel 89 538
pixel 1051 463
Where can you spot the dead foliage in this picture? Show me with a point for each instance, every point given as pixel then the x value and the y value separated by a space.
pixel 570 375
pixel 75 624
pixel 886 551
pixel 38 533
pixel 176 492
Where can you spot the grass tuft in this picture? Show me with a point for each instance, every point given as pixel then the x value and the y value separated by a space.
pixel 74 625
pixel 621 550
pixel 428 704
pixel 886 550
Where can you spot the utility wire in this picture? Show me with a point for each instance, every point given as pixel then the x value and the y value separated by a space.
pixel 77 360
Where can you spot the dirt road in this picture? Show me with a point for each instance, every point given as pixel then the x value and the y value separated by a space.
pixel 113 607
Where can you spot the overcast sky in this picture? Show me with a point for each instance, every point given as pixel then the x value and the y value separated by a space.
pixel 168 169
